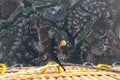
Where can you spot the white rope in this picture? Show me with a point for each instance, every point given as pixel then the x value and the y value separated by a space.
pixel 24 72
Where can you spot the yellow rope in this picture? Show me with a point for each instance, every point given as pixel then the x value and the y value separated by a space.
pixel 51 63
pixel 3 69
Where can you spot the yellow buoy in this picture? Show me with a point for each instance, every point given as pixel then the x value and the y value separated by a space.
pixel 63 43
